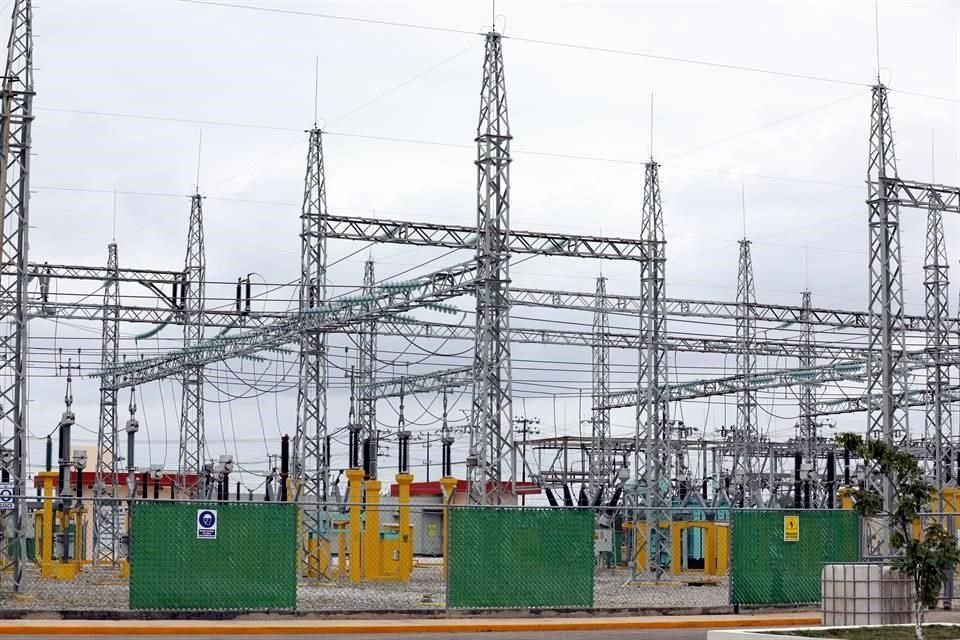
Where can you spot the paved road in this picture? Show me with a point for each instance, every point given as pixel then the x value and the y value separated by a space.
pixel 656 634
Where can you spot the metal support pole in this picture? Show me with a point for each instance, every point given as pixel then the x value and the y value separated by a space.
pixel 491 424
pixel 310 465
pixel 886 377
pixel 192 440
pixel 602 462
pixel 16 120
pixel 106 520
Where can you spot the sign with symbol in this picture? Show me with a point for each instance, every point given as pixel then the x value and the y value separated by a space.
pixel 791 528
pixel 6 496
pixel 207 524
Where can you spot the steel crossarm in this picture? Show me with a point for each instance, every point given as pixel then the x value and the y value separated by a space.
pixel 923 195
pixel 914 398
pixel 222 318
pixel 336 313
pixel 850 370
pixel 785 314
pixel 100 273
pixel 465 237
pixel 421 383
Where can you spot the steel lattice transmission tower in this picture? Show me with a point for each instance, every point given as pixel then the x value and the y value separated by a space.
pixel 106 525
pixel 653 419
pixel 938 428
pixel 192 440
pixel 491 433
pixel 367 359
pixel 601 454
pixel 745 435
pixel 808 421
pixel 311 462
pixel 886 343
pixel 16 119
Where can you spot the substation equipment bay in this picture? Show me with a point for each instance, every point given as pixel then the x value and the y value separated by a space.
pixel 623 517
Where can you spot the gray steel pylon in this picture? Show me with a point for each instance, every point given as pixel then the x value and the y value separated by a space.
pixel 938 435
pixel 808 421
pixel 601 454
pixel 106 519
pixel 192 439
pixel 745 436
pixel 16 118
pixel 491 445
pixel 886 376
pixel 311 459
pixel 366 366
pixel 653 418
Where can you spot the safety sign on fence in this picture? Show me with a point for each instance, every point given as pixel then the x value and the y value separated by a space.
pixel 791 528
pixel 207 524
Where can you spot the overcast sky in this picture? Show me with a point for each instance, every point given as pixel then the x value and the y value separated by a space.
pixel 795 146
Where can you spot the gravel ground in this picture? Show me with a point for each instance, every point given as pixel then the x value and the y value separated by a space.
pixel 104 590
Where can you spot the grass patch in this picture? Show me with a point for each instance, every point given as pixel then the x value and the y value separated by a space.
pixel 933 632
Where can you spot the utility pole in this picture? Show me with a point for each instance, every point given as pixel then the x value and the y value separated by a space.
pixel 527 426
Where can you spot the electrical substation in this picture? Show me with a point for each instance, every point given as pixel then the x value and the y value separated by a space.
pixel 437 358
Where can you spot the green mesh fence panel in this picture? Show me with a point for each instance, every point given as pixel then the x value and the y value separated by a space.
pixel 251 564
pixel 764 569
pixel 520 558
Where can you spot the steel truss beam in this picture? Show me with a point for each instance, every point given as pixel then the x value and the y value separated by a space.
pixel 420 383
pixel 525 297
pixel 450 236
pixel 781 314
pixel 914 194
pixel 334 314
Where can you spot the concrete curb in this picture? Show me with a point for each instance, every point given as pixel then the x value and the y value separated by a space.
pixel 390 614
pixel 326 627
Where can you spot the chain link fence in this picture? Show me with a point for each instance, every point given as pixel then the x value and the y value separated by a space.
pixel 777 557
pixel 169 555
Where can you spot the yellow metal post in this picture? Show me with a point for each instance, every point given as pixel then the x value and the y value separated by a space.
pixel 355 478
pixel 46 552
pixel 710 549
pixel 723 548
pixel 313 558
pixel 448 485
pixel 341 549
pixel 676 538
pixel 406 532
pixel 846 498
pixel 372 551
pixel 78 550
pixel 640 542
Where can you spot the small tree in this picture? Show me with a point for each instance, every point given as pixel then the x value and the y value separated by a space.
pixel 926 560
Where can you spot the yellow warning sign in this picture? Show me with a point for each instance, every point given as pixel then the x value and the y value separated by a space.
pixel 791 528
